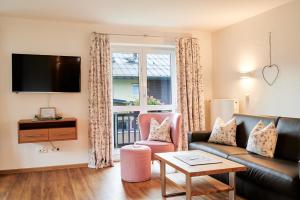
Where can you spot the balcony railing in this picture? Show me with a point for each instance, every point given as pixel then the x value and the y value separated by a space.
pixel 126 130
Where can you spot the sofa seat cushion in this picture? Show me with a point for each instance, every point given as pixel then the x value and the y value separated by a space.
pixel 217 149
pixel 157 146
pixel 275 174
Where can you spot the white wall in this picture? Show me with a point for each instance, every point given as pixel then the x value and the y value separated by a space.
pixel 60 38
pixel 244 47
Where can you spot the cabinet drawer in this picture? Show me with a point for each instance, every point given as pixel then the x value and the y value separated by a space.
pixel 62 133
pixel 35 135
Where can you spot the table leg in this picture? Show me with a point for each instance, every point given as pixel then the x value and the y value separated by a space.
pixel 188 187
pixel 232 183
pixel 163 178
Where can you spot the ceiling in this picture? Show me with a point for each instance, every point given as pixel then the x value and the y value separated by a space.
pixel 184 14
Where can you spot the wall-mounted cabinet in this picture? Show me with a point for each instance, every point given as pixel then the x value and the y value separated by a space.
pixel 31 131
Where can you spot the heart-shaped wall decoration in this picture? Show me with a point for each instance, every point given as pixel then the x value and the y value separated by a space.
pixel 270 74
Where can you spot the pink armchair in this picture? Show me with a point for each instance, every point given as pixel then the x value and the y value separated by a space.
pixel 158 146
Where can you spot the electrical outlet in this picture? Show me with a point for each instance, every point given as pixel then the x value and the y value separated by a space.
pixel 55 149
pixel 43 150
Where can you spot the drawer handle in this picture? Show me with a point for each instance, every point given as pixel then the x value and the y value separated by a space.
pixel 34 136
pixel 64 134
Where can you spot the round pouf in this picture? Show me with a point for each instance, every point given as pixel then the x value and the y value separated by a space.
pixel 135 163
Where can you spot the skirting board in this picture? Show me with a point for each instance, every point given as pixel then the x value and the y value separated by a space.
pixel 38 169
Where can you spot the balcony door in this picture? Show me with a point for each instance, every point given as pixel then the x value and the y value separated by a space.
pixel 143 81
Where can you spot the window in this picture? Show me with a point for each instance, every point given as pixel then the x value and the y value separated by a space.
pixel 143 81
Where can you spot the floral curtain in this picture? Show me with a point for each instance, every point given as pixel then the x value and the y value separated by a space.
pixel 100 116
pixel 190 93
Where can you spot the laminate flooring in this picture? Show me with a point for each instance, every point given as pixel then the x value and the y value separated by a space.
pixel 87 184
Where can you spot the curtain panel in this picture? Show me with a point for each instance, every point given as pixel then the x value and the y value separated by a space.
pixel 190 92
pixel 100 116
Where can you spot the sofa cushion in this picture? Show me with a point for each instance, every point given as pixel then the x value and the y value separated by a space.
pixel 245 124
pixel 217 149
pixel 224 133
pixel 198 136
pixel 278 175
pixel 288 143
pixel 263 139
pixel 160 132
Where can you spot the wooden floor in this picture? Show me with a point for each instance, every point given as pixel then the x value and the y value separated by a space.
pixel 85 184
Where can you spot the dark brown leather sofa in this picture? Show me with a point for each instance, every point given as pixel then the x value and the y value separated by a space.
pixel 266 178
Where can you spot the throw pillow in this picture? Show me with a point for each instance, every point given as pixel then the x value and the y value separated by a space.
pixel 262 140
pixel 160 132
pixel 224 133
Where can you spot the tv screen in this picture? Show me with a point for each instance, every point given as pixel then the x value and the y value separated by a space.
pixel 45 73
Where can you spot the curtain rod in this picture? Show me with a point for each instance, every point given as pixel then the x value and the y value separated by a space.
pixel 140 35
pixel 134 35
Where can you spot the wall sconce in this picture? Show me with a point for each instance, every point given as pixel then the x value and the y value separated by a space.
pixel 247 83
pixel 246 75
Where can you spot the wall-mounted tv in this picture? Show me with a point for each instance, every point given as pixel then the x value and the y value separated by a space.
pixel 45 73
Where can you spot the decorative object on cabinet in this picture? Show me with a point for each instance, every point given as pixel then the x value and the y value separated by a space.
pixel 47 113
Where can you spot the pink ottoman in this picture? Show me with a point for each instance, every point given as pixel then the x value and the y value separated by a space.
pixel 135 163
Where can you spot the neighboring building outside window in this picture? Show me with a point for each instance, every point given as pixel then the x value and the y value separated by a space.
pixel 135 90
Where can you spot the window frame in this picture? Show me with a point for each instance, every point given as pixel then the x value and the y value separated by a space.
pixel 142 51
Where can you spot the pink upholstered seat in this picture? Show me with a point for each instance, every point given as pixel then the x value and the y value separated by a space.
pixel 157 146
pixel 135 163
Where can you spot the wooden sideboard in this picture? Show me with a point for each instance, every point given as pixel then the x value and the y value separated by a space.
pixel 31 131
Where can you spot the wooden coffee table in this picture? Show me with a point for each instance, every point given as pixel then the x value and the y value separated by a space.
pixel 195 179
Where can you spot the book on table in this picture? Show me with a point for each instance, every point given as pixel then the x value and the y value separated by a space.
pixel 194 159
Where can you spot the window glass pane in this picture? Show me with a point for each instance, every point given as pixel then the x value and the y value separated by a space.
pixel 159 90
pixel 125 79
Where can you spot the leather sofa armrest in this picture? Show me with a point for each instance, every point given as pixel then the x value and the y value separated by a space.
pixel 299 169
pixel 198 136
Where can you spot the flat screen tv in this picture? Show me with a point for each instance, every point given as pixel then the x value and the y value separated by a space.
pixel 45 73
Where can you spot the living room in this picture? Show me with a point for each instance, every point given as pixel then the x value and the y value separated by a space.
pixel 135 67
